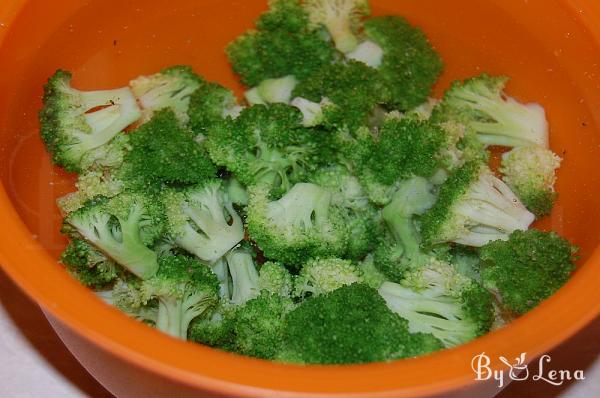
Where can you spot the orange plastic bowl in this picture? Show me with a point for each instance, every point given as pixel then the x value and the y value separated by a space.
pixel 550 48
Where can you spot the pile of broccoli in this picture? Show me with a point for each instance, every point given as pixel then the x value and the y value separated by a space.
pixel 336 215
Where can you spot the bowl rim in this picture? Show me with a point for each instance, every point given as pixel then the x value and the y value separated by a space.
pixel 232 374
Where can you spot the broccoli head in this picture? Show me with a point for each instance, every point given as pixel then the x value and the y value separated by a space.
pixel 91 184
pixel 76 125
pixel 527 268
pixel 210 104
pixel 531 173
pixel 274 278
pixel 323 275
pixel 88 265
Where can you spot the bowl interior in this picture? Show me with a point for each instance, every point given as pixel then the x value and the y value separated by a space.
pixel 106 43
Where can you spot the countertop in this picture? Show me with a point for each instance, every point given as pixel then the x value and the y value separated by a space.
pixel 34 362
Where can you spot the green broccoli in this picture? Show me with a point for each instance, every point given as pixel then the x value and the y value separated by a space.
pixel 210 104
pixel 274 278
pixel 436 299
pixel 272 91
pixel 202 220
pixel 531 173
pixel 282 45
pixel 350 325
pixel 312 112
pixel 352 89
pixel 371 275
pixel 127 296
pixel 88 265
pixel 244 276
pixel 215 329
pixel 341 18
pixel 408 63
pixel 221 270
pixel 90 184
pixel 268 144
pixel 122 228
pixel 185 289
pixel 164 153
pixel 170 88
pixel 323 275
pixel 236 192
pixel 402 251
pixel 481 104
pixel 77 125
pixel 527 268
pixel 474 207
pixel 300 225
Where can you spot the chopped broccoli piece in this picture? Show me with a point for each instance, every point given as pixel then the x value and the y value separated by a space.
pixel 283 45
pixel 91 184
pixel 312 112
pixel 164 152
pixel 527 268
pixel 531 173
pixel 215 330
pixel 210 104
pixel 88 265
pixel 368 53
pixel 185 289
pixel 410 66
pixel 76 125
pixel 170 88
pixel 323 275
pixel 127 296
pixel 350 325
pixel 341 18
pixel 221 269
pixel 300 225
pixel 123 228
pixel 436 299
pixel 236 192
pixel 474 207
pixel 481 104
pixel 371 275
pixel 272 91
pixel 201 220
pixel 274 278
pixel 244 276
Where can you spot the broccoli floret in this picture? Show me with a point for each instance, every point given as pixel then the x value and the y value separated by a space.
pixel 268 145
pixel 371 275
pixel 185 289
pixel 436 299
pixel 353 88
pixel 368 53
pixel 361 217
pixel 215 330
pixel 244 276
pixel 531 173
pixel 210 104
pixel 481 104
pixel 89 185
pixel 283 45
pixel 350 325
pixel 127 296
pixel 221 270
pixel 202 220
pixel 75 125
pixel 123 228
pixel 341 18
pixel 323 275
pixel 164 152
pixel 272 91
pixel 527 268
pixel 474 207
pixel 402 251
pixel 409 65
pixel 300 225
pixel 259 325
pixel 236 192
pixel 274 278
pixel 88 265
pixel 170 88
pixel 312 112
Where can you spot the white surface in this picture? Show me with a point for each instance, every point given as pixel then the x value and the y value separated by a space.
pixel 34 363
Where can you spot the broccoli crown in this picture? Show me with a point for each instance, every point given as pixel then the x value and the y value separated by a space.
pixel 353 88
pixel 202 220
pixel 170 88
pixel 88 265
pixel 75 124
pixel 531 173
pixel 481 104
pixel 410 66
pixel 350 325
pixel 300 225
pixel 462 146
pixel 210 104
pixel 127 296
pixel 91 184
pixel 122 228
pixel 274 278
pixel 185 289
pixel 323 275
pixel 258 326
pixel 215 330
pixel 436 299
pixel 474 207
pixel 282 45
pixel 527 268
pixel 341 18
pixel 371 275
pixel 164 152
pixel 268 144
